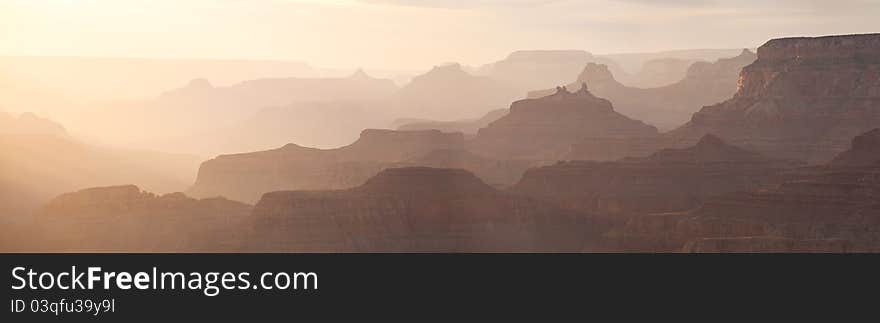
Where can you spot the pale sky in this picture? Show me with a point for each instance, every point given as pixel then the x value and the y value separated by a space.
pixel 409 33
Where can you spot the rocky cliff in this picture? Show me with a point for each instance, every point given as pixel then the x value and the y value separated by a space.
pixel 415 210
pixel 126 219
pixel 672 105
pixel 545 128
pixel 668 180
pixel 495 172
pixel 865 151
pixel 804 98
pixel 833 207
pixel 247 176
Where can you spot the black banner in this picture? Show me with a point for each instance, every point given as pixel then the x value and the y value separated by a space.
pixel 379 286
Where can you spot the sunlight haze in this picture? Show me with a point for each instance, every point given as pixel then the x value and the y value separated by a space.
pixel 406 34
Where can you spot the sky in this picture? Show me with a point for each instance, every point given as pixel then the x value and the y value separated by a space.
pixel 409 33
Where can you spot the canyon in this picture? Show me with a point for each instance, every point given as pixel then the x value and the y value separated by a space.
pixel 668 180
pixel 825 208
pixel 127 219
pixel 545 128
pixel 416 210
pixel 671 105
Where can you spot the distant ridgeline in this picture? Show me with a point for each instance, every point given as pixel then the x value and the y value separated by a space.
pixel 790 162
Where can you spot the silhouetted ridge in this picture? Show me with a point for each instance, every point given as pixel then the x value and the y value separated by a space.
pixel 425 180
pixel 671 105
pixel 545 128
pixel 710 148
pixel 803 98
pixel 865 151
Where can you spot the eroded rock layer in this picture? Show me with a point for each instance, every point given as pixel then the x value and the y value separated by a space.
pixel 416 210
pixel 126 219
pixel 546 128
pixel 835 207
pixel 247 176
pixel 668 180
pixel 672 105
pixel 804 98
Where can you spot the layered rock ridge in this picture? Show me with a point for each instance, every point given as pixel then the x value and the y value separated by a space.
pixel 672 105
pixel 546 128
pixel 666 181
pixel 127 219
pixel 415 209
pixel 247 176
pixel 804 98
pixel 829 208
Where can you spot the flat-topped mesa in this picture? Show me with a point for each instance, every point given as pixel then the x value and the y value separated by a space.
pixel 804 98
pixel 247 176
pixel 667 181
pixel 858 46
pixel 865 151
pixel 126 219
pixel 415 210
pixel 837 66
pixel 99 195
pixel 545 128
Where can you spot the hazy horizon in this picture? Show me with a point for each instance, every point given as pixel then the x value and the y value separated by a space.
pixel 400 34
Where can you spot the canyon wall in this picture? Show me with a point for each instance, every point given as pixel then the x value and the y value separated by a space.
pixel 545 128
pixel 126 219
pixel 247 176
pixel 666 181
pixel 416 210
pixel 672 105
pixel 834 207
pixel 804 98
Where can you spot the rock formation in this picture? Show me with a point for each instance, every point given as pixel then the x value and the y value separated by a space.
pixel 415 210
pixel 834 207
pixel 448 92
pixel 668 180
pixel 545 128
pixel 667 106
pixel 126 219
pixel 535 69
pixel 495 172
pixel 247 176
pixel 804 98
pixel 865 151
